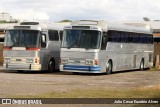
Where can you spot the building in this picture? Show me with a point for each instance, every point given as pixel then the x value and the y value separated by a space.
pixel 6 17
pixel 155 25
pixel 3 27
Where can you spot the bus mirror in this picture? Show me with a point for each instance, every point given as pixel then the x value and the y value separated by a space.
pixel 43 41
pixel 43 38
pixel 104 40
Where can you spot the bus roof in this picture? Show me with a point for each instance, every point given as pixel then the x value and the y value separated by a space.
pixel 57 26
pixel 130 27
pixel 38 26
pixel 4 26
pixel 98 23
pixel 119 26
pixel 155 25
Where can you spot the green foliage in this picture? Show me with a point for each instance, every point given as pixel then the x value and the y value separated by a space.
pixel 153 68
pixel 66 20
pixel 153 92
pixel 3 21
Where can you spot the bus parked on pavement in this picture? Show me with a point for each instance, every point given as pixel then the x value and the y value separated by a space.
pixel 90 46
pixel 32 46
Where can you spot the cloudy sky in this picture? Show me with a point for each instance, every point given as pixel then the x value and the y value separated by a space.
pixel 55 10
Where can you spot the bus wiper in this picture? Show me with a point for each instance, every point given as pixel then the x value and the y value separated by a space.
pixel 23 44
pixel 87 48
pixel 15 44
pixel 72 45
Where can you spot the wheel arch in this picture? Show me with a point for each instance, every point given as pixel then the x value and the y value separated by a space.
pixel 51 59
pixel 109 67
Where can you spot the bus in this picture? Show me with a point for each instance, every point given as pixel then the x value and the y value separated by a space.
pixel 32 46
pixel 3 27
pixel 90 46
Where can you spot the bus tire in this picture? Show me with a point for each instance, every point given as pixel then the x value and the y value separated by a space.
pixel 51 66
pixel 141 65
pixel 109 67
pixel 20 71
pixel 75 73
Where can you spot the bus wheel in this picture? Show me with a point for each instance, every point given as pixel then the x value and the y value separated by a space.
pixel 142 65
pixel 51 66
pixel 109 67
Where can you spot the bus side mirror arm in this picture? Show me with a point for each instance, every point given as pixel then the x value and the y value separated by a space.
pixel 43 40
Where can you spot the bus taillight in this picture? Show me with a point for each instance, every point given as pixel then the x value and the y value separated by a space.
pixel 36 60
pixel 32 48
pixel 96 62
pixel 7 48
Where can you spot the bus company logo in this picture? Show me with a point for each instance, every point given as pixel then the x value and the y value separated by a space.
pixel 6 101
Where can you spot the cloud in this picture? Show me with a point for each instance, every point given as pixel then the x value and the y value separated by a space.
pixel 53 10
pixel 31 15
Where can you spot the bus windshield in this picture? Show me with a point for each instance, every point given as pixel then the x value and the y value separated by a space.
pixel 22 38
pixel 87 39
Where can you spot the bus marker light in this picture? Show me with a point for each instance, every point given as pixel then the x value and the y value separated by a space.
pixel 32 48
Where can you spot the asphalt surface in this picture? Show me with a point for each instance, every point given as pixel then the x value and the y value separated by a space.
pixel 34 83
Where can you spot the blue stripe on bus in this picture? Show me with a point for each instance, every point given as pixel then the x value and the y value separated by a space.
pixel 81 68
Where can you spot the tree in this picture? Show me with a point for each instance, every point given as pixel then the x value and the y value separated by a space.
pixel 66 20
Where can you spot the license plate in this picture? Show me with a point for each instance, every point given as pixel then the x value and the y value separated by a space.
pixel 18 60
pixel 77 61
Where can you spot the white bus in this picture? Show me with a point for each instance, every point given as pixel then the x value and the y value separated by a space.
pixel 32 46
pixel 3 27
pixel 99 47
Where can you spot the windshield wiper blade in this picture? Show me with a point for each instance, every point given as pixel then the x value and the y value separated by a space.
pixel 72 45
pixel 87 48
pixel 17 43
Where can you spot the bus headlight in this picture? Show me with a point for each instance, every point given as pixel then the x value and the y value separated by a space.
pixel 7 59
pixel 29 60
pixel 64 60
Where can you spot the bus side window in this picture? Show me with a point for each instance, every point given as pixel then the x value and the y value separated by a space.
pixel 136 38
pixel 126 37
pixel 43 41
pixel 1 39
pixel 149 39
pixel 104 41
pixel 130 37
pixel 61 35
pixel 114 36
pixel 118 36
pixel 122 37
pixel 143 38
pixel 53 35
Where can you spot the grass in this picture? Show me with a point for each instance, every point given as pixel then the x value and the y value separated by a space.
pixel 153 68
pixel 3 21
pixel 151 92
pixel 105 94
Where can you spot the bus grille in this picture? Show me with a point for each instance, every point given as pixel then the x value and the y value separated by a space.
pixel 19 53
pixel 18 66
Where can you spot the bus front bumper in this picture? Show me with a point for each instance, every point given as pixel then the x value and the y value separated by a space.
pixel 80 68
pixel 28 67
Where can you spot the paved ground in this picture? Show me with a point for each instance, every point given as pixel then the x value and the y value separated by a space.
pixel 34 83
